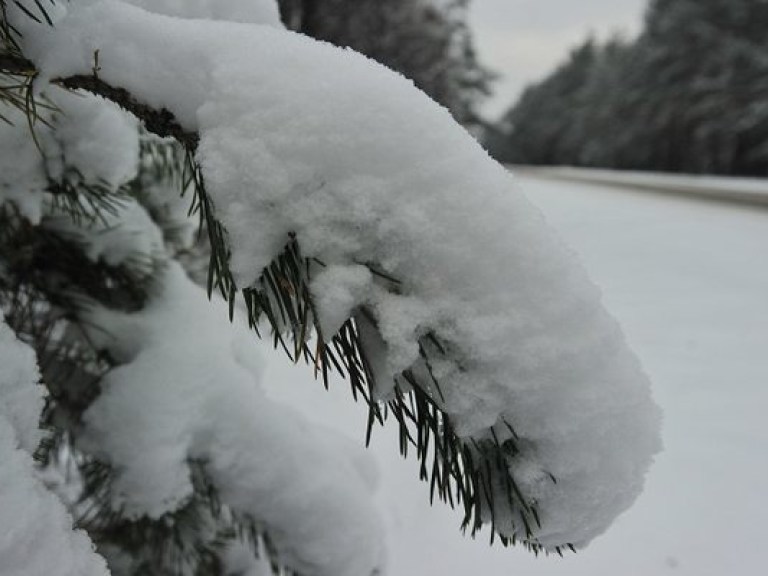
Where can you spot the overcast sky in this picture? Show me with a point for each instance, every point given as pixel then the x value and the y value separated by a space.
pixel 523 40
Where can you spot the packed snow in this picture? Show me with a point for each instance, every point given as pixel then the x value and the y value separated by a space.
pixel 301 137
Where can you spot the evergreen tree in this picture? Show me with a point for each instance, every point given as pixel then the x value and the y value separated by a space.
pixel 705 70
pixel 541 122
pixel 687 95
pixel 333 198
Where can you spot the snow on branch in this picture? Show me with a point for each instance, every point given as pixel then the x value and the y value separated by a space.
pixel 189 389
pixel 37 530
pixel 159 122
pixel 524 391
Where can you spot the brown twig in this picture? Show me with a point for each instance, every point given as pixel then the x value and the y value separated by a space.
pixel 161 122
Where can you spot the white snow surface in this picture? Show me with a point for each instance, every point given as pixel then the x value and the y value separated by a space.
pixel 87 139
pixel 36 536
pixel 21 397
pixel 738 189
pixel 20 162
pixel 189 388
pixel 661 180
pixel 250 11
pixel 90 141
pixel 299 136
pixel 96 137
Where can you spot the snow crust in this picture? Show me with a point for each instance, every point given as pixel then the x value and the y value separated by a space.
pixel 36 536
pixel 189 389
pixel 301 137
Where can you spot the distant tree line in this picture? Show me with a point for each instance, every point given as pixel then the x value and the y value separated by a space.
pixel 689 95
pixel 427 41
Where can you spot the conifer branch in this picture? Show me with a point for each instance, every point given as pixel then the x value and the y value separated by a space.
pixel 473 473
pixel 160 122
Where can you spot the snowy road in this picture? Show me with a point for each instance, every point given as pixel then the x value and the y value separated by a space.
pixel 689 283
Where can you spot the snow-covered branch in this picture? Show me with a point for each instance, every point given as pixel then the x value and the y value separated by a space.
pixel 522 382
pixel 159 122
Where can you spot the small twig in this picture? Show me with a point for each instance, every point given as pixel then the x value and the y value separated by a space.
pixel 161 122
pixel 12 64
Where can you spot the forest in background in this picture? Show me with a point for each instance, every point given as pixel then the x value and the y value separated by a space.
pixel 689 94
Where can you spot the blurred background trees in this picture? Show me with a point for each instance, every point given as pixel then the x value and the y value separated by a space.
pixel 690 94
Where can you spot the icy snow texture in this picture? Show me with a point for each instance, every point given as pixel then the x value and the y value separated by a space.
pixel 189 388
pixel 36 536
pixel 322 142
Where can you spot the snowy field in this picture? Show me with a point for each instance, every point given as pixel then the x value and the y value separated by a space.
pixel 689 283
pixel 753 191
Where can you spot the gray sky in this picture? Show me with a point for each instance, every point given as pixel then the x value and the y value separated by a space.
pixel 523 40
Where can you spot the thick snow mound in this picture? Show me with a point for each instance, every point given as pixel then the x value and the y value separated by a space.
pixel 301 137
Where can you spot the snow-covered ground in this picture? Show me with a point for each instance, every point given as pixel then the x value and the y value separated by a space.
pixel 752 191
pixel 689 282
